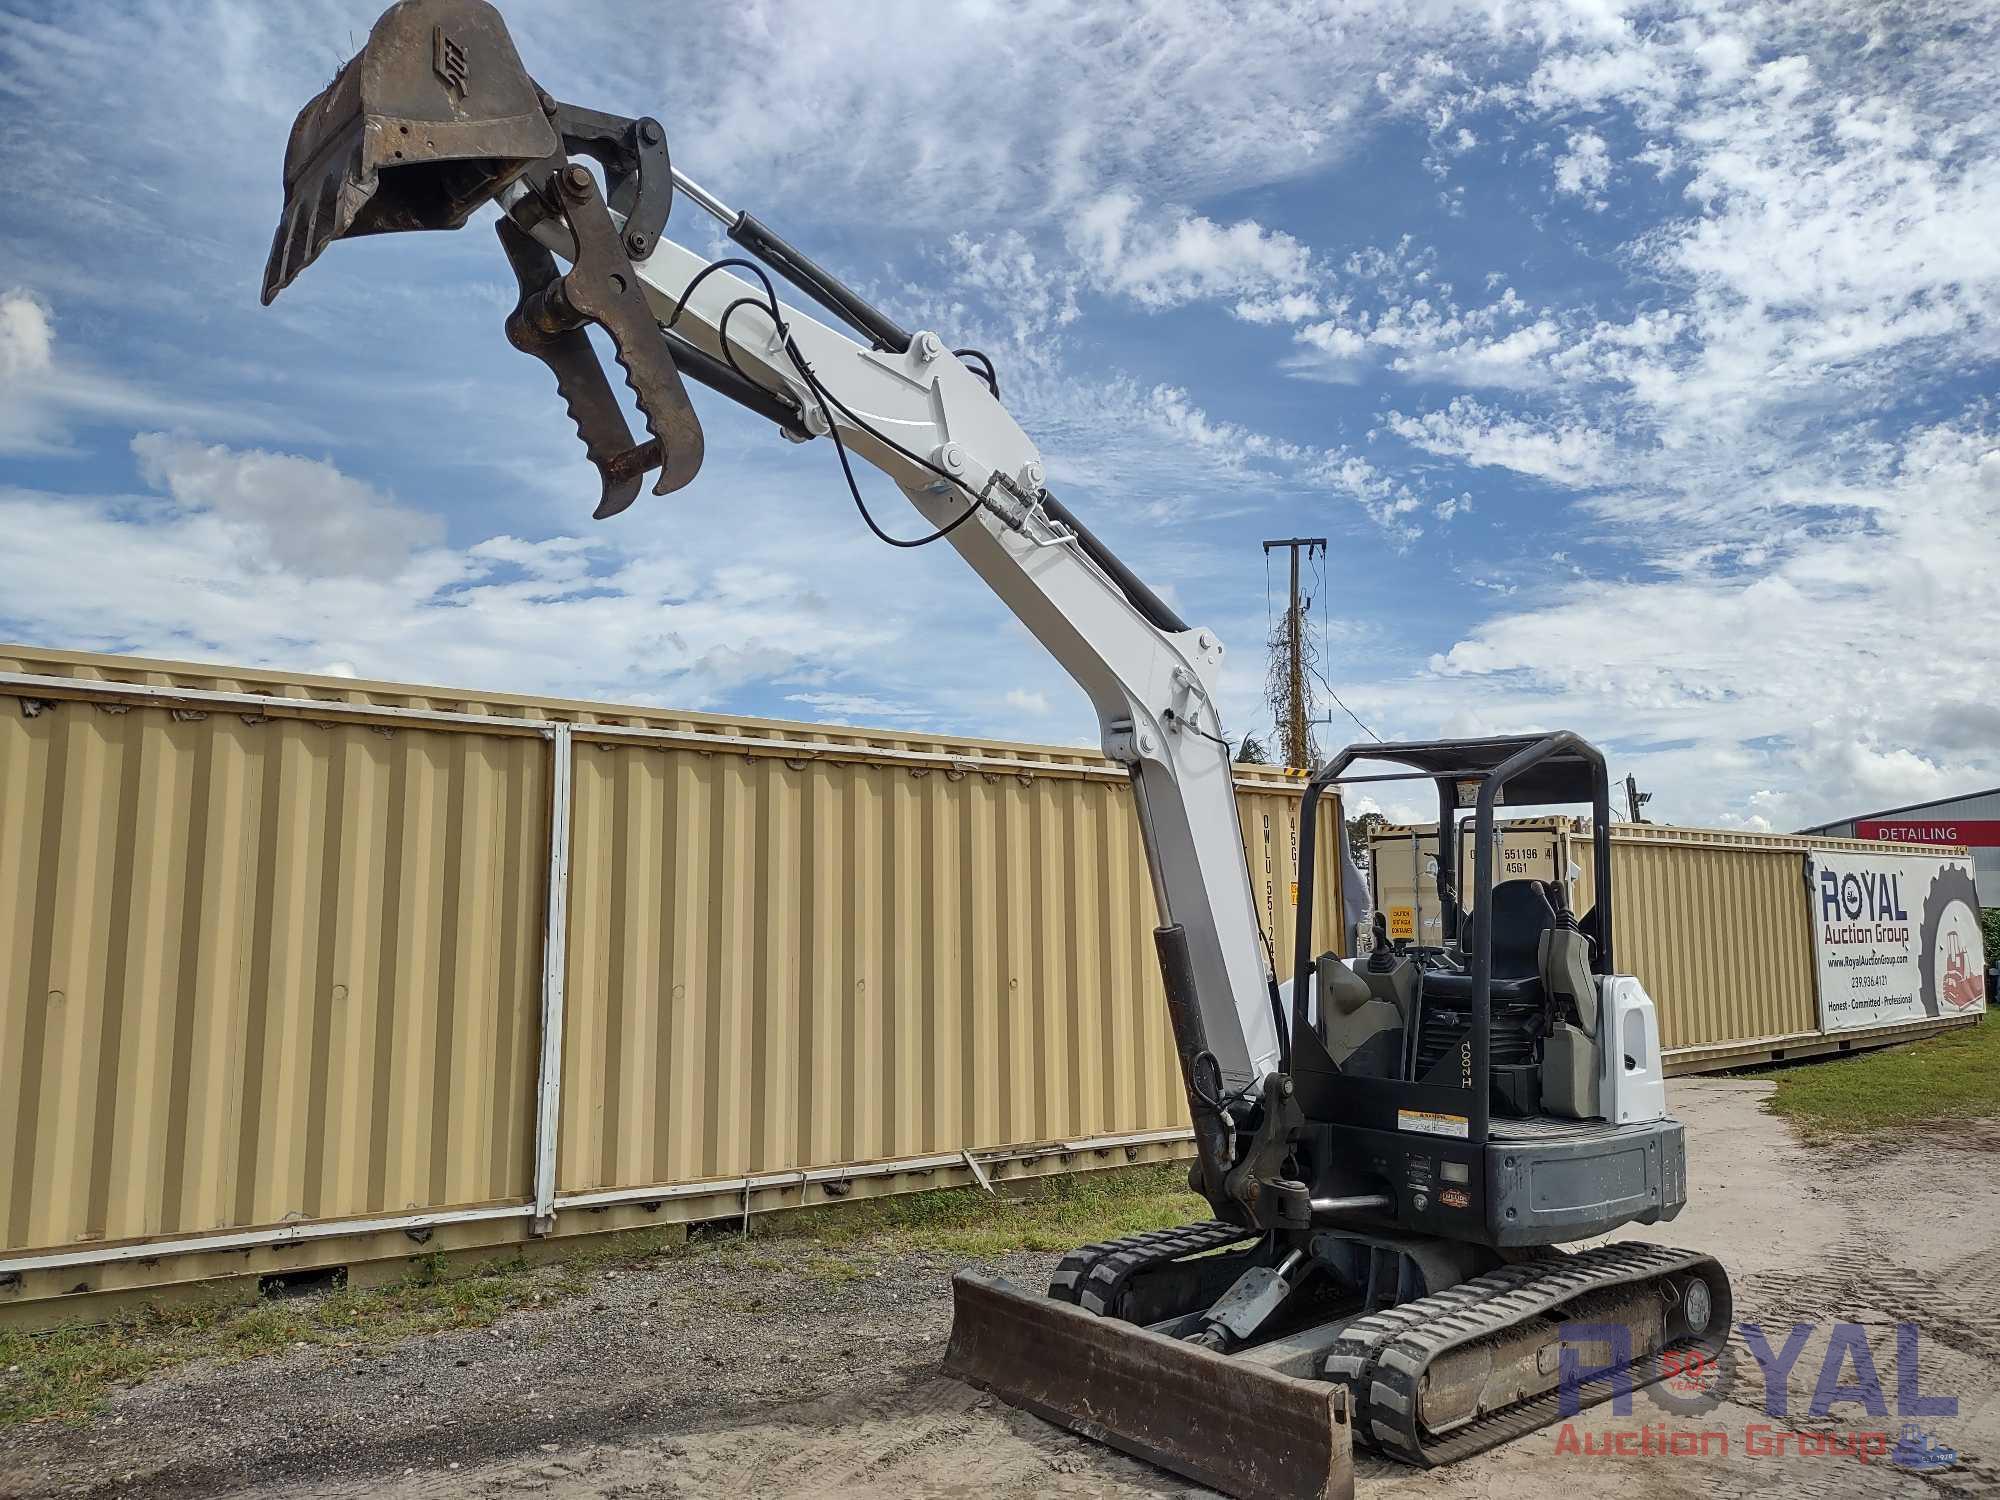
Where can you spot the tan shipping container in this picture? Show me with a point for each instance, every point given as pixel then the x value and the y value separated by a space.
pixel 278 991
pixel 1402 869
pixel 1715 923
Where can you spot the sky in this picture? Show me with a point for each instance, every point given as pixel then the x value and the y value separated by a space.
pixel 1640 364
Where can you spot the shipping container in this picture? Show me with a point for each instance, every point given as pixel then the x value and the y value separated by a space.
pixel 1402 869
pixel 302 970
pixel 1716 923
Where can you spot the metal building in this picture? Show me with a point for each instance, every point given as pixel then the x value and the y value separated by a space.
pixel 1972 820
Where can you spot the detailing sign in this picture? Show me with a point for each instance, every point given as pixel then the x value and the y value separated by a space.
pixel 1973 833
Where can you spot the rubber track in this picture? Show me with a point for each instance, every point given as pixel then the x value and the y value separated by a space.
pixel 1382 1358
pixel 1094 1276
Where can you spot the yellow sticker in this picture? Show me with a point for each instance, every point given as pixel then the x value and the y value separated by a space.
pixel 1402 922
pixel 1430 1122
pixel 1295 893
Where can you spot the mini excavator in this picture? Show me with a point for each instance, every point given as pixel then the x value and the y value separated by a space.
pixel 1393 1148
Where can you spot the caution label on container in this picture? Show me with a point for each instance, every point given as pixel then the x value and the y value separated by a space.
pixel 1402 922
pixel 1430 1122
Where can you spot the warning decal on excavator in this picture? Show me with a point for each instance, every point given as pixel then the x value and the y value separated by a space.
pixel 1430 1122
pixel 1402 922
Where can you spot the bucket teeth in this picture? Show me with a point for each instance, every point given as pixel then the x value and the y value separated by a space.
pixel 312 222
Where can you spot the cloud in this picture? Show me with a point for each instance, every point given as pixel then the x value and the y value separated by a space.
pixel 1331 339
pixel 1166 260
pixel 1388 501
pixel 27 335
pixel 45 395
pixel 301 513
pixel 196 573
pixel 1036 297
pixel 1511 360
pixel 1566 453
pixel 1585 168
pixel 859 708
pixel 1283 307
pixel 1812 676
pixel 1838 232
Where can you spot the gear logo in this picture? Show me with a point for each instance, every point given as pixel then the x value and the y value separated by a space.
pixel 1951 982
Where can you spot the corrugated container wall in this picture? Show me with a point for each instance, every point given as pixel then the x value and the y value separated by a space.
pixel 1716 926
pixel 261 971
pixel 275 960
pixel 776 964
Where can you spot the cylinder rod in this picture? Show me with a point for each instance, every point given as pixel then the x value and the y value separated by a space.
pixel 1358 1203
pixel 704 199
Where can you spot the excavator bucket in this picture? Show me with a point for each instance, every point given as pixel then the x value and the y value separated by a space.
pixel 427 122
pixel 435 117
pixel 1238 1425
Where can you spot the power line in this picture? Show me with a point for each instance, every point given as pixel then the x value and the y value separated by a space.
pixel 1343 707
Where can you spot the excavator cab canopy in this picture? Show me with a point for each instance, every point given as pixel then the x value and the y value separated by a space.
pixel 1557 769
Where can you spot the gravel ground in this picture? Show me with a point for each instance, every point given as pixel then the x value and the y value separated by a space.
pixel 690 1342
pixel 755 1374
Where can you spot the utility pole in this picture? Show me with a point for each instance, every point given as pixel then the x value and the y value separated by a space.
pixel 1634 798
pixel 1294 735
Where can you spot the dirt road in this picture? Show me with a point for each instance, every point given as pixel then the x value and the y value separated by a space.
pixel 768 1377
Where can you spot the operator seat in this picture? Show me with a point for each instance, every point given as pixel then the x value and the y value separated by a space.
pixel 1521 914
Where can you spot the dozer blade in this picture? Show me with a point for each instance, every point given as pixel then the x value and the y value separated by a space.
pixel 1235 1426
pixel 432 118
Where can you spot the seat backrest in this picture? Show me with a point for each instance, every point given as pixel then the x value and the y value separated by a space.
pixel 1521 914
pixel 1564 962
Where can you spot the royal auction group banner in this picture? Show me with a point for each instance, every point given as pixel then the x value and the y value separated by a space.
pixel 1897 938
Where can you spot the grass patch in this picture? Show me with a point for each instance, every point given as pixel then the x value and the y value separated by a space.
pixel 1937 1081
pixel 64 1374
pixel 1031 1213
